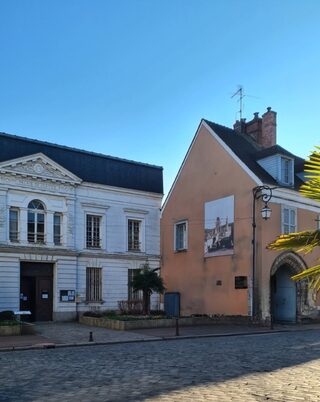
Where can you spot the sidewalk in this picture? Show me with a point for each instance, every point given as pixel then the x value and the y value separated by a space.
pixel 50 335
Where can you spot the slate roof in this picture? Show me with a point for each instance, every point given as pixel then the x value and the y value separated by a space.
pixel 249 152
pixel 88 166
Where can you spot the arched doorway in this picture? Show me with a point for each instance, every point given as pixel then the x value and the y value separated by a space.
pixel 287 297
pixel 283 296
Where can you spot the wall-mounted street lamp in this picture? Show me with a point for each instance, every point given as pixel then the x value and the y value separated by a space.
pixel 265 193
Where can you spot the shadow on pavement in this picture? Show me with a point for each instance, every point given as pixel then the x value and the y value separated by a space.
pixel 145 371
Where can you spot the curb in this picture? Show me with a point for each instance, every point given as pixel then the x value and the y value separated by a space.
pixel 153 339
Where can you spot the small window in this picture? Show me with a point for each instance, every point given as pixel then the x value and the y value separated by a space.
pixel 57 221
pixel 289 220
pixel 180 236
pixel 131 294
pixel 134 235
pixel 36 204
pixel 14 224
pixel 93 231
pixel 286 171
pixel 241 282
pixel 94 284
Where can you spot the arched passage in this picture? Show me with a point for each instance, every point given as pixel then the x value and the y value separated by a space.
pixel 287 297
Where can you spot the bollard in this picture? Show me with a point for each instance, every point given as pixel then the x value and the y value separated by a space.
pixel 90 336
pixel 177 326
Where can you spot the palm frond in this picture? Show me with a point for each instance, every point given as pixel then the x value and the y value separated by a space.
pixel 304 241
pixel 311 189
pixel 313 274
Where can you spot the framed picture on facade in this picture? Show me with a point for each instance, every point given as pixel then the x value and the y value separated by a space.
pixel 219 226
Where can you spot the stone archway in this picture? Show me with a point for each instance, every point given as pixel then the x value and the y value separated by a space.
pixel 288 300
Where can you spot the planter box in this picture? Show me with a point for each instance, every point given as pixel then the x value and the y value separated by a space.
pixel 10 330
pixel 159 323
pixel 125 325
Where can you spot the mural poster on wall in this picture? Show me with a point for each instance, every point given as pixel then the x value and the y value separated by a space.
pixel 219 226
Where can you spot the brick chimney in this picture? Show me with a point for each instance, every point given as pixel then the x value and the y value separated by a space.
pixel 254 127
pixel 269 129
pixel 263 129
pixel 240 126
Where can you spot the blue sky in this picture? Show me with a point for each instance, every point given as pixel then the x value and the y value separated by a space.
pixel 133 78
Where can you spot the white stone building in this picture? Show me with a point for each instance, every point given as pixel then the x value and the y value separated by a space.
pixel 73 226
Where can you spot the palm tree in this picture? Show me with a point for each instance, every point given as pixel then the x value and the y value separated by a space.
pixel 307 240
pixel 147 280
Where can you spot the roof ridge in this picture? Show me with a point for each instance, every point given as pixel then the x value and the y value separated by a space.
pixel 66 147
pixel 246 137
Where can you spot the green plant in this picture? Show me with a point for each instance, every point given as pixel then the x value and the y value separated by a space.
pixel 148 281
pixel 9 323
pixel 7 315
pixel 96 314
pixel 130 306
pixel 159 313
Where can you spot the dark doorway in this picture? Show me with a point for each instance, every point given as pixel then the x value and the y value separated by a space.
pixel 283 295
pixel 36 290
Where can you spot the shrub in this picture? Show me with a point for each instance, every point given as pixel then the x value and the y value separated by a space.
pixel 158 312
pixel 7 315
pixel 199 315
pixel 110 313
pixel 10 323
pixel 130 306
pixel 95 314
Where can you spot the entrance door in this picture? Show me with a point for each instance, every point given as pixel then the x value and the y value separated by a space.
pixel 27 296
pixel 44 299
pixel 36 290
pixel 284 297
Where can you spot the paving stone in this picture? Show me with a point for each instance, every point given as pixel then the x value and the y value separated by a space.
pixel 244 368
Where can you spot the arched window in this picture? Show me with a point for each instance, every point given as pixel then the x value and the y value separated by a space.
pixel 36 222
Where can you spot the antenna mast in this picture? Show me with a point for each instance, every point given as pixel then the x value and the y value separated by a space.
pixel 241 96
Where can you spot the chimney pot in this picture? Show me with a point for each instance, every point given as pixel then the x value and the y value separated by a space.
pixel 268 109
pixel 256 115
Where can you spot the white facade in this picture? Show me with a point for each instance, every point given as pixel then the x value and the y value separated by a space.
pixel 61 193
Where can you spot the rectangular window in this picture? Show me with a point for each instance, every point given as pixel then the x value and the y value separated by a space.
pixel 93 231
pixel 289 220
pixel 131 294
pixel 134 235
pixel 94 284
pixel 181 236
pixel 286 171
pixel 14 225
pixel 35 227
pixel 57 221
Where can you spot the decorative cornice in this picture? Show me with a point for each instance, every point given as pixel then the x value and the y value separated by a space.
pixel 135 211
pixel 39 166
pixel 49 252
pixel 94 205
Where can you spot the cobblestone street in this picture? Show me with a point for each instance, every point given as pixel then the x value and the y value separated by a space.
pixel 273 367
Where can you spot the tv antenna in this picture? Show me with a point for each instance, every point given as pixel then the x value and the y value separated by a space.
pixel 241 96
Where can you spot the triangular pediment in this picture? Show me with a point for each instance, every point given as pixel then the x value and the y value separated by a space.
pixel 39 166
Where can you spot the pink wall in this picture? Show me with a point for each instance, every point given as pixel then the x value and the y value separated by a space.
pixel 210 173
